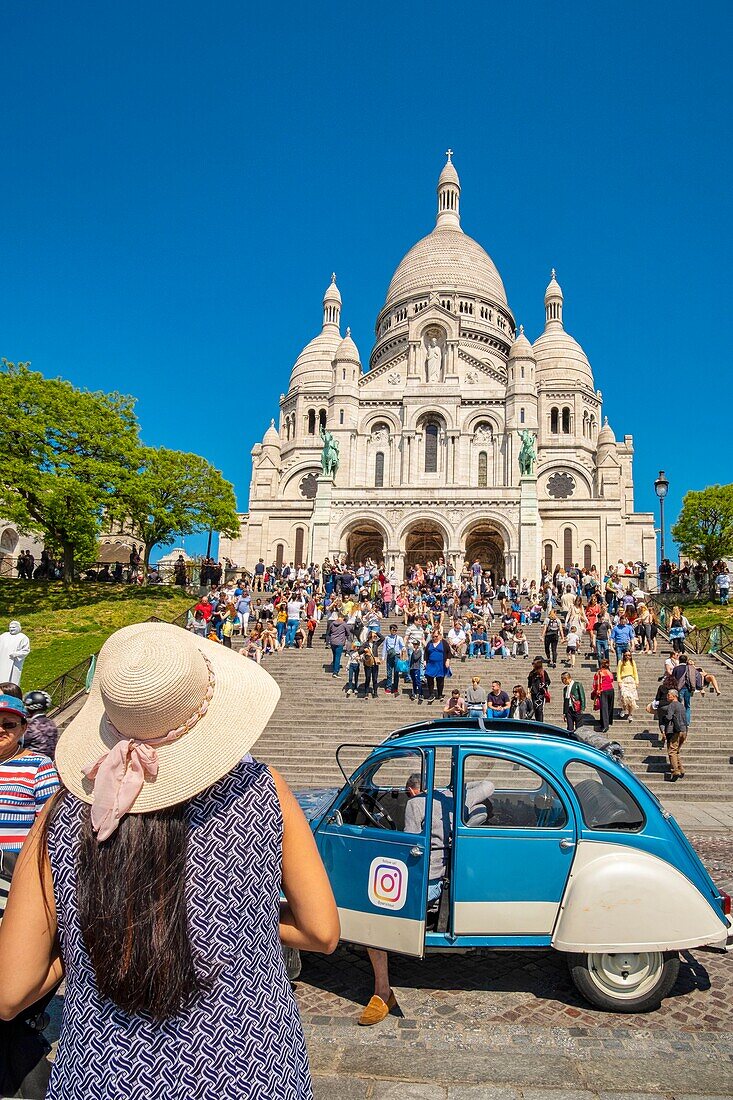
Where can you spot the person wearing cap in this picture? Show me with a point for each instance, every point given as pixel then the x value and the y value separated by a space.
pixel 14 648
pixel 27 779
pixel 154 884
pixel 42 732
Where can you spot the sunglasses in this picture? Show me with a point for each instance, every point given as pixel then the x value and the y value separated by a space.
pixel 10 724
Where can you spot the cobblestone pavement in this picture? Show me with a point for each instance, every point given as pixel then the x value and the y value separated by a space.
pixel 478 1020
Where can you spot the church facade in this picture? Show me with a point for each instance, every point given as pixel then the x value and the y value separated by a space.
pixel 427 436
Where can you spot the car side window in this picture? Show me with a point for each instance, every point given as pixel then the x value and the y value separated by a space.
pixel 604 802
pixel 378 798
pixel 499 793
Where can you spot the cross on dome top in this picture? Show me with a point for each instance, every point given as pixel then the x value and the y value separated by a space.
pixel 449 193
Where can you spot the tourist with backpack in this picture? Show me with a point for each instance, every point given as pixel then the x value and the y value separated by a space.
pixel 552 634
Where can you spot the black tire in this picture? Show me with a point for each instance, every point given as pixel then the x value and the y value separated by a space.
pixel 592 982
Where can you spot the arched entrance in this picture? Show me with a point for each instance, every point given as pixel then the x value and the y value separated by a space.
pixel 424 542
pixel 8 542
pixel 365 541
pixel 487 544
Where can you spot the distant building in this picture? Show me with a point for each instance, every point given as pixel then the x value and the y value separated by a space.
pixel 428 433
pixel 13 543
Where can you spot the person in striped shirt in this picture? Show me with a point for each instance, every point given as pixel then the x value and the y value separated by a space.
pixel 27 781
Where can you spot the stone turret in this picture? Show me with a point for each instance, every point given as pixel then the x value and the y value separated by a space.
pixel 521 390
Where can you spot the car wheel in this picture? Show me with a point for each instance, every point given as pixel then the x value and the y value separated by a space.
pixel 293 963
pixel 625 981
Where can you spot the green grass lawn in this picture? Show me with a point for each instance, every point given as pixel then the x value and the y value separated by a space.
pixel 705 613
pixel 66 625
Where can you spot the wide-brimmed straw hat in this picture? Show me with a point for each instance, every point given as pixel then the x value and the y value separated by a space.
pixel 171 711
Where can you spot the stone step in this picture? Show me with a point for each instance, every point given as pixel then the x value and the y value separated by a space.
pixel 314 716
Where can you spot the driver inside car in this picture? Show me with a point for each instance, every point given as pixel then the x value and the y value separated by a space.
pixel 478 809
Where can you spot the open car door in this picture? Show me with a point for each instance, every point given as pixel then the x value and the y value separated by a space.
pixel 379 872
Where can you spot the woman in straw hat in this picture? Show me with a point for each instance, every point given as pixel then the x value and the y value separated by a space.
pixel 153 884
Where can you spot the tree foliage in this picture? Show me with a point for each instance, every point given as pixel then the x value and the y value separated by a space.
pixel 66 455
pixel 174 494
pixel 704 530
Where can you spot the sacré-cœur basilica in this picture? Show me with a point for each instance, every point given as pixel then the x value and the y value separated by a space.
pixel 460 438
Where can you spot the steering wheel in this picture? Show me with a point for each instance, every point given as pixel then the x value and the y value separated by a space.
pixel 375 812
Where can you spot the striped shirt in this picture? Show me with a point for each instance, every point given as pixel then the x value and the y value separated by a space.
pixel 26 783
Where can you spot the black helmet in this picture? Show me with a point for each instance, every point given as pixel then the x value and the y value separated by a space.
pixel 37 702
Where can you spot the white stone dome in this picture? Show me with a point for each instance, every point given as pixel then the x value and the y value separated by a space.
pixel 521 348
pixel 606 436
pixel 347 351
pixel 314 365
pixel 560 358
pixel 447 259
pixel 449 174
pixel 333 294
pixel 271 438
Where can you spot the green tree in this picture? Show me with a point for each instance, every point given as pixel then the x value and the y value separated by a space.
pixel 704 530
pixel 175 494
pixel 65 455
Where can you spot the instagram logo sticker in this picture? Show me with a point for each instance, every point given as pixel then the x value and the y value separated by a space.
pixel 388 883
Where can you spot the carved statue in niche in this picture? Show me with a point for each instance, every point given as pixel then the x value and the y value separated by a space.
pixel 380 434
pixel 483 434
pixel 434 358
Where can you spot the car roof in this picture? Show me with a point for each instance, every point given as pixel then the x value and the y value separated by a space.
pixel 508 732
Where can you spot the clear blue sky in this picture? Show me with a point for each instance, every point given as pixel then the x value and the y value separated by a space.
pixel 180 179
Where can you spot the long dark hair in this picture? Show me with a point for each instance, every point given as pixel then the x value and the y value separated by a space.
pixel 131 902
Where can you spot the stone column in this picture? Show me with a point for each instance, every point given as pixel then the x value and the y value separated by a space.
pixel 321 520
pixel 530 529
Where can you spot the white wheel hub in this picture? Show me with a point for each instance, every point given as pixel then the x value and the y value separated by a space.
pixel 627 974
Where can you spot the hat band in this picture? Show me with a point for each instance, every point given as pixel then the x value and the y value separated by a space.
pixel 119 775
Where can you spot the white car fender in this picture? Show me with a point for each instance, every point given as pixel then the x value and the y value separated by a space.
pixel 618 898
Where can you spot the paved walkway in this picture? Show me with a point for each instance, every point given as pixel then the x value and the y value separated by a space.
pixel 703 817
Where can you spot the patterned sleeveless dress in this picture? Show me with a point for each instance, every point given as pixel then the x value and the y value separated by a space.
pixel 243 1038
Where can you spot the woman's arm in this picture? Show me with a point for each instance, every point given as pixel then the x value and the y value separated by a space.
pixel 30 960
pixel 308 918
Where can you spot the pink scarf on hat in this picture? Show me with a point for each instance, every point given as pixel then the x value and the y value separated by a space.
pixel 119 775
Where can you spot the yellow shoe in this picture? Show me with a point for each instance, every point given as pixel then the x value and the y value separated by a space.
pixel 377 1010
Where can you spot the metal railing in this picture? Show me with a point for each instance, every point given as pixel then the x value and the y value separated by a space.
pixel 110 573
pixel 69 684
pixel 716 639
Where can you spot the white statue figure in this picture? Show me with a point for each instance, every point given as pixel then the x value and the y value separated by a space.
pixel 14 648
pixel 434 361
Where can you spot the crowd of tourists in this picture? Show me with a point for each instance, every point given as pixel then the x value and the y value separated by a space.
pixel 410 638
pixel 692 579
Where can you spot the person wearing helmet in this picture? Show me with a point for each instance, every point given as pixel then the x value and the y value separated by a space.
pixel 42 733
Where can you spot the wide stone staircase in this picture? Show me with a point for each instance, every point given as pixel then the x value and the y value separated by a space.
pixel 314 717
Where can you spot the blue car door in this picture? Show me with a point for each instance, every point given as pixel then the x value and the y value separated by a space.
pixel 515 839
pixel 378 871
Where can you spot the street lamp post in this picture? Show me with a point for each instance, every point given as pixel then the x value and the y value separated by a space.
pixel 661 486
